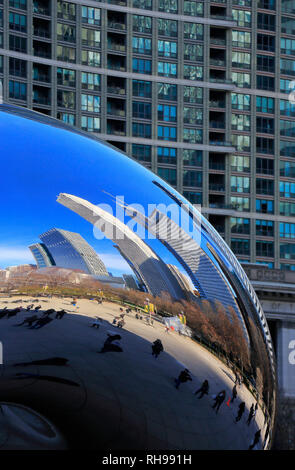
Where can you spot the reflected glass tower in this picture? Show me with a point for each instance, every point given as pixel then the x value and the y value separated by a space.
pixel 42 255
pixel 70 250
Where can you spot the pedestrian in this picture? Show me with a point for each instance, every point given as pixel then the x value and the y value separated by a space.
pixel 219 400
pixel 256 440
pixel 203 390
pixel 234 394
pixel 59 315
pixel 112 344
pixel 183 377
pixel 157 348
pixel 251 414
pixel 241 411
pixel 255 410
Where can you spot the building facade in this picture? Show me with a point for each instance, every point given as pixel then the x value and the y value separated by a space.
pixel 199 91
pixel 70 250
pixel 42 255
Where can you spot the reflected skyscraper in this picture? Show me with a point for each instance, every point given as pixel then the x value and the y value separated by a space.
pixel 42 255
pixel 70 250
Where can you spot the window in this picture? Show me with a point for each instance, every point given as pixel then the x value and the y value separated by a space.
pixel 193 52
pixel 167 91
pixel 267 4
pixel 264 228
pixel 90 37
pixel 90 123
pixel 17 67
pixel 65 32
pixel 240 203
pixel 91 15
pixel 264 166
pixel 265 63
pixel 288 46
pixel 265 83
pixel 167 133
pixel 167 49
pixel 287 230
pixel 193 136
pixel 287 108
pixel 288 6
pixel 142 24
pixel 141 130
pixel 241 60
pixel 167 27
pixel 67 118
pixel 20 4
pixel 287 189
pixel 66 10
pixel 90 103
pixel 192 72
pixel 287 66
pixel 168 6
pixel 141 152
pixel 264 186
pixel 242 17
pixel 240 225
pixel 17 90
pixel 287 208
pixel 287 128
pixel 168 174
pixel 66 54
pixel 143 4
pixel 240 246
pixel 241 79
pixel 240 163
pixel 167 69
pixel 193 94
pixel 192 178
pixel 142 88
pixel 66 77
pixel 90 58
pixel 240 101
pixel 192 115
pixel 286 86
pixel 141 66
pixel 240 184
pixel 242 3
pixel 265 21
pixel 287 25
pixel 287 169
pixel 287 251
pixel 142 45
pixel 193 8
pixel 66 99
pixel 241 142
pixel 264 206
pixel 287 148
pixel 265 125
pixel 17 22
pixel 193 31
pixel 264 248
pixel 241 122
pixel 264 145
pixel 265 42
pixel 90 81
pixel 264 104
pixel 167 113
pixel 16 43
pixel 1 64
pixel 192 157
pixel 167 155
pixel 141 110
pixel 241 39
pixel 193 197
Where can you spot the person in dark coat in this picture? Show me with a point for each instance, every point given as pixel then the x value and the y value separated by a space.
pixel 241 411
pixel 111 344
pixel 234 394
pixel 41 322
pixel 157 348
pixel 251 414
pixel 59 315
pixel 203 390
pixel 183 377
pixel 28 321
pixel 219 399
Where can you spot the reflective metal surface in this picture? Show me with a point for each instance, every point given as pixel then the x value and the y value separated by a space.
pixel 85 372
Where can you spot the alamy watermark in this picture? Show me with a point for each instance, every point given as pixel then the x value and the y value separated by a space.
pixel 1 353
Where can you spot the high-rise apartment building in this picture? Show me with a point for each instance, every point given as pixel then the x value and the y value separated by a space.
pixel 199 91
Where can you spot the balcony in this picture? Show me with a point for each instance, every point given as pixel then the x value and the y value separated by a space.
pixel 217 104
pixel 222 143
pixel 116 90
pixel 117 20
pixel 217 187
pixel 116 63
pixel 217 62
pixel 217 166
pixel 42 49
pixel 113 46
pixel 41 96
pixel 41 76
pixel 41 7
pixel 217 124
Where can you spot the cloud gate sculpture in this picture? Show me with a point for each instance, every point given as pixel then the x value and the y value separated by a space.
pixel 181 360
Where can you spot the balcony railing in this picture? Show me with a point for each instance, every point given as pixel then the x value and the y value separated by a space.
pixel 217 62
pixel 217 124
pixel 117 112
pixel 222 17
pixel 223 143
pixel 42 100
pixel 116 47
pixel 42 53
pixel 221 80
pixel 41 10
pixel 41 77
pixel 217 104
pixel 216 187
pixel 218 41
pixel 42 33
pixel 216 166
pixel 116 90
pixel 116 25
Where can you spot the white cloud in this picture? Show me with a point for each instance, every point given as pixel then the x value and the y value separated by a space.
pixel 15 255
